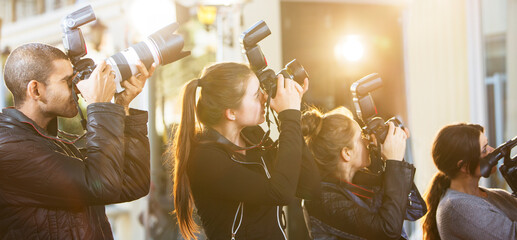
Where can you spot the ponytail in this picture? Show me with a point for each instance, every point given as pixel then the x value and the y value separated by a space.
pixel 223 86
pixel 312 122
pixel 184 138
pixel 454 143
pixel 434 193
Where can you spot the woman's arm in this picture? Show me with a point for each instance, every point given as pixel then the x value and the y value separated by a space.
pixel 346 215
pixel 309 180
pixel 214 173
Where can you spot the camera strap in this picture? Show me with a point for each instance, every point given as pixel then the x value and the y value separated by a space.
pixel 215 136
pixel 82 69
pixel 268 121
pixel 377 165
pixel 74 137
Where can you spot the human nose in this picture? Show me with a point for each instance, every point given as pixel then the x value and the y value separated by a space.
pixel 490 149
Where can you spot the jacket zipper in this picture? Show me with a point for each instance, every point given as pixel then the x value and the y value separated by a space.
pixel 240 209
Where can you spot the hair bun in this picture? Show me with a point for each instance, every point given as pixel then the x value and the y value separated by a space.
pixel 312 121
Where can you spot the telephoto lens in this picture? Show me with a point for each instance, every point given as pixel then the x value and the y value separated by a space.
pixel 162 47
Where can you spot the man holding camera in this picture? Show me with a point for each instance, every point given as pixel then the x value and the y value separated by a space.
pixel 49 189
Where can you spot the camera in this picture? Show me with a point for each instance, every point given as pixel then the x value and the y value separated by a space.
pixel 162 47
pixel 365 107
pixel 509 167
pixel 258 63
pixel 369 120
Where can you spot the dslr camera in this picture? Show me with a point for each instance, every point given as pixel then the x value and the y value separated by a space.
pixel 258 63
pixel 162 47
pixel 509 167
pixel 368 117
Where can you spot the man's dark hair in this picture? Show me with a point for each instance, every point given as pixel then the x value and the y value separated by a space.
pixel 32 61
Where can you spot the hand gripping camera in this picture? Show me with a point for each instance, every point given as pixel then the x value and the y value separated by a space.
pixel 365 107
pixel 162 47
pixel 368 117
pixel 267 77
pixel 509 167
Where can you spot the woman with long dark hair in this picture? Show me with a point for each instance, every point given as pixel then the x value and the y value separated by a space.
pixel 458 207
pixel 347 210
pixel 226 167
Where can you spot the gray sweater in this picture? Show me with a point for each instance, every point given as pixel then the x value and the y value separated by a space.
pixel 464 216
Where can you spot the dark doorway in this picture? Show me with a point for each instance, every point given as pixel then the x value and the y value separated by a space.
pixel 310 33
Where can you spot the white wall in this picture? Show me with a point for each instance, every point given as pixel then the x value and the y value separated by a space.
pixel 511 70
pixel 437 75
pixel 269 11
pixel 494 16
pixel 444 74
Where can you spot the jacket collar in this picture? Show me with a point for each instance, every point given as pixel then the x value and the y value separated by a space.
pixel 16 116
pixel 364 192
pixel 210 135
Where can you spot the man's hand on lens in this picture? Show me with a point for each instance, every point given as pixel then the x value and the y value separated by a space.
pixel 100 86
pixel 134 85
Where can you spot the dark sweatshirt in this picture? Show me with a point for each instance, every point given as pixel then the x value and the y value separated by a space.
pixel 221 179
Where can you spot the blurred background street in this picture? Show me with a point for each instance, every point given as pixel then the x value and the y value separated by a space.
pixel 441 62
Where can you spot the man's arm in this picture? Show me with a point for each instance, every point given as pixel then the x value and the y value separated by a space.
pixel 34 173
pixel 136 177
pixel 136 173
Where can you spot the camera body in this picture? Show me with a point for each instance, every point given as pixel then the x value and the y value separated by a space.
pixel 509 167
pixel 368 117
pixel 258 63
pixel 367 111
pixel 73 40
pixel 162 47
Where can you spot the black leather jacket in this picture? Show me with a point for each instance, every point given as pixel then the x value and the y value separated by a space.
pixel 243 194
pixel 349 211
pixel 51 190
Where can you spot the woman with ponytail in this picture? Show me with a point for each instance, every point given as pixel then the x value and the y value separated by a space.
pixel 346 210
pixel 458 207
pixel 224 164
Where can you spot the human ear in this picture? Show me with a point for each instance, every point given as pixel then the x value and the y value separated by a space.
pixel 346 154
pixel 229 114
pixel 462 166
pixel 34 89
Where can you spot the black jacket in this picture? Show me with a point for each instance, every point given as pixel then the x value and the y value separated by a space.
pixel 51 190
pixel 222 179
pixel 348 211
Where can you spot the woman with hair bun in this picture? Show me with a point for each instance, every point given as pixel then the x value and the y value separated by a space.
pixel 458 207
pixel 224 164
pixel 346 210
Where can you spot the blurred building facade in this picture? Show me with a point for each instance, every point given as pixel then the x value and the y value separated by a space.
pixel 442 62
